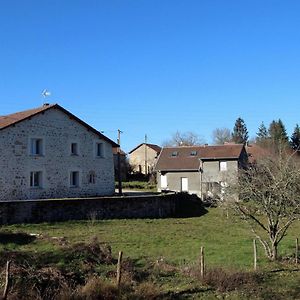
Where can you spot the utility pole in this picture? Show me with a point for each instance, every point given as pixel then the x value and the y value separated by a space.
pixel 119 163
pixel 146 163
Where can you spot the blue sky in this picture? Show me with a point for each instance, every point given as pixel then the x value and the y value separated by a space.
pixel 154 67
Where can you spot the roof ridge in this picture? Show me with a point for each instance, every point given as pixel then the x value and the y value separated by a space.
pixel 31 109
pixel 21 116
pixel 203 146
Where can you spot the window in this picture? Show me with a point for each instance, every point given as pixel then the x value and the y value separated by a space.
pixel 74 179
pixel 223 165
pixel 36 179
pixel 99 150
pixel 74 149
pixel 36 146
pixel 174 153
pixel 194 153
pixel 92 177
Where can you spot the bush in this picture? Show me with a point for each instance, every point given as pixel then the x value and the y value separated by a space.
pixel 225 281
pixel 147 290
pixel 97 288
pixel 138 185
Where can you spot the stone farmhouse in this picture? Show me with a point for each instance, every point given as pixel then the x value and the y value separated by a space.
pixel 47 152
pixel 143 158
pixel 201 170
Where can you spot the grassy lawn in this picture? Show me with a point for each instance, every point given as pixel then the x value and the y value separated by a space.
pixel 175 241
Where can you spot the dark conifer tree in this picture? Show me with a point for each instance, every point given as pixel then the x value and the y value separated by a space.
pixel 262 134
pixel 295 139
pixel 277 133
pixel 240 132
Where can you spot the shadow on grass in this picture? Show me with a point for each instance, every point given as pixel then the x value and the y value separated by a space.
pixel 188 206
pixel 19 238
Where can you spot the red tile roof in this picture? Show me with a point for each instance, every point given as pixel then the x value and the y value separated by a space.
pixel 188 157
pixel 12 119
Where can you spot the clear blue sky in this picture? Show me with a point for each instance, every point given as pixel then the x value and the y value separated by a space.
pixel 154 66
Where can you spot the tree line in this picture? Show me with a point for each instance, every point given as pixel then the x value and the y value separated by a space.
pixel 275 134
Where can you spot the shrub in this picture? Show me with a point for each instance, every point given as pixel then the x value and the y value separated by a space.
pixel 147 290
pixel 97 288
pixel 224 281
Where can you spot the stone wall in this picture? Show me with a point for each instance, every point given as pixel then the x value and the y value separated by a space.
pixel 57 132
pixel 154 206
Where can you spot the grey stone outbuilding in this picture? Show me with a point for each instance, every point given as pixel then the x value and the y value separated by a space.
pixel 202 170
pixel 47 152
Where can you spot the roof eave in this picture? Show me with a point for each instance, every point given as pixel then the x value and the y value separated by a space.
pixel 176 170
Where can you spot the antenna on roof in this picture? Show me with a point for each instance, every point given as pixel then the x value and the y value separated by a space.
pixel 45 93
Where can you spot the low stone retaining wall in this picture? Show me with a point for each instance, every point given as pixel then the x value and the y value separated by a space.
pixel 54 210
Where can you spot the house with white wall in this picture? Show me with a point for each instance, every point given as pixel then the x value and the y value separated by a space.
pixel 48 152
pixel 202 170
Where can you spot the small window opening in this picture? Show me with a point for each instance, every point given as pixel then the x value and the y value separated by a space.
pixel 99 150
pixel 74 149
pixel 36 147
pixel 36 179
pixel 92 177
pixel 174 153
pixel 74 179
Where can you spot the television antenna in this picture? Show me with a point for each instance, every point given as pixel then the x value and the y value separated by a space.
pixel 46 93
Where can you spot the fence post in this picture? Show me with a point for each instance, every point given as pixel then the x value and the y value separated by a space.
pixel 119 269
pixel 7 280
pixel 202 266
pixel 255 254
pixel 296 254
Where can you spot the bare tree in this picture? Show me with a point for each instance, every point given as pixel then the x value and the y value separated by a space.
pixel 269 199
pixel 221 135
pixel 183 139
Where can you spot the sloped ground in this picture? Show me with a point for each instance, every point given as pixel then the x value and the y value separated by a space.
pixel 77 260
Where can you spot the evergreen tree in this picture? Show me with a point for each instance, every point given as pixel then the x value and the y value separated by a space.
pixel 295 139
pixel 240 132
pixel 262 134
pixel 277 133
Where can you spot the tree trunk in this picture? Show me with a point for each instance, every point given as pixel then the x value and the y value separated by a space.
pixel 274 252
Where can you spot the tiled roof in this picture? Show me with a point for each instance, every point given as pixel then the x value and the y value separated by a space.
pixel 188 157
pixel 256 152
pixel 156 148
pixel 12 119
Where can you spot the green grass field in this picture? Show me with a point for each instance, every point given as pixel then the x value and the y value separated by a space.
pixel 176 241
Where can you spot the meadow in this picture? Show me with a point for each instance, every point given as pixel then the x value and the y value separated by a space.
pixel 168 251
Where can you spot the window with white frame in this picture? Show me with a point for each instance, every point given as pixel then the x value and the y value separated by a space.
pixel 36 146
pixel 92 177
pixel 99 150
pixel 74 179
pixel 74 148
pixel 223 165
pixel 36 179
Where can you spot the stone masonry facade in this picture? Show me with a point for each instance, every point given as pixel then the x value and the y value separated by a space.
pixel 141 158
pixel 51 155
